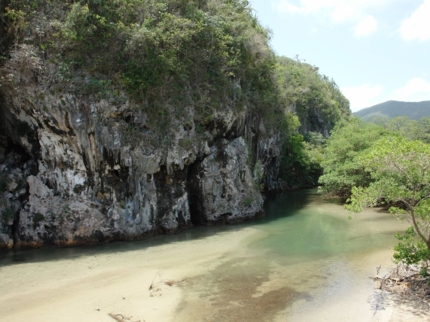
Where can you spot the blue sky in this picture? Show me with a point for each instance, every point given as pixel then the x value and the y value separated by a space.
pixel 375 50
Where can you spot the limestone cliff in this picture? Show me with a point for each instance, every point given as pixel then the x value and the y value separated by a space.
pixel 130 118
pixel 72 176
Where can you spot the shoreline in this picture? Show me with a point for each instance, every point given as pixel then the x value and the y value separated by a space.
pixel 89 288
pixel 361 304
pixel 234 274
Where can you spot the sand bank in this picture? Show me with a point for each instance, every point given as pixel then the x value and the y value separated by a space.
pixel 88 288
pixel 314 266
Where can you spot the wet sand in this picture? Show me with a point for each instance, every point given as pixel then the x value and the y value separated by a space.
pixel 89 288
pixel 312 266
pixel 362 303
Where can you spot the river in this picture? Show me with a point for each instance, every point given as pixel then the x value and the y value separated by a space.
pixel 307 260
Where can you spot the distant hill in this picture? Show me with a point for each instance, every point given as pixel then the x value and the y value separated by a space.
pixel 391 109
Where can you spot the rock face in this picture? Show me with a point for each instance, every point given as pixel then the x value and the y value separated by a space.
pixel 314 122
pixel 73 173
pixel 222 188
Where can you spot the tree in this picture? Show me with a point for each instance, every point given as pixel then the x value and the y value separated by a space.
pixel 410 129
pixel 347 142
pixel 301 155
pixel 304 89
pixel 424 129
pixel 400 170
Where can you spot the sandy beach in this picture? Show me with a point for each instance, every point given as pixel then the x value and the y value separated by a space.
pixel 89 288
pixel 224 276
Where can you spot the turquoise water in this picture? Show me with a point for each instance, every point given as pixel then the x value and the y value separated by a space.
pixel 305 256
pixel 284 213
pixel 303 224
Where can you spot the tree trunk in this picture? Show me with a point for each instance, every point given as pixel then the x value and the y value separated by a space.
pixel 417 229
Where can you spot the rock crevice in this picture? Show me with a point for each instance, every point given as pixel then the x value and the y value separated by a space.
pixel 76 171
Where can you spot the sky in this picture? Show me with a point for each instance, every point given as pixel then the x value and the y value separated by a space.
pixel 375 50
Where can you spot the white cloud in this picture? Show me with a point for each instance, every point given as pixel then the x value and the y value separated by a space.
pixel 415 90
pixel 362 96
pixel 285 6
pixel 366 95
pixel 342 12
pixel 417 26
pixel 366 26
pixel 338 10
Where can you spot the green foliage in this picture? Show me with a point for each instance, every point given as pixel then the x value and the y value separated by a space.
pixel 98 87
pixel 294 164
pixel 300 162
pixel 12 24
pixel 158 49
pixel 410 250
pixel 248 201
pixel 341 164
pixel 315 139
pixel 400 172
pixel 165 54
pixel 410 129
pixel 424 130
pixel 424 273
pixel 303 88
pixel 386 162
pixel 170 55
pixel 290 124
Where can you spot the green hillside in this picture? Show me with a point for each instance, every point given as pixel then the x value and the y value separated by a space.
pixel 391 109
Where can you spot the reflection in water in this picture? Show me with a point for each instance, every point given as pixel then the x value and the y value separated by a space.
pixel 273 212
pixel 305 255
pixel 302 256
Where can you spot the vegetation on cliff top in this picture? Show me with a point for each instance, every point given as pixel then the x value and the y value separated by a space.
pixel 163 53
pixel 306 91
pixel 167 56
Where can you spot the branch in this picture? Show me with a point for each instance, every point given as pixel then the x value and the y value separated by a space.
pixel 422 199
pixel 416 227
pixel 402 171
pixel 407 204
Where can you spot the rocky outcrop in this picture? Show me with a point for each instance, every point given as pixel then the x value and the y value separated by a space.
pixel 78 169
pixel 315 122
pixel 221 185
pixel 14 167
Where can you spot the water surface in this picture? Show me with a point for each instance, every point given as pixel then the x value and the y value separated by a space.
pixel 304 261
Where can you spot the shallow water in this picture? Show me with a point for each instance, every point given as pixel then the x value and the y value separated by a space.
pixel 304 261
pixel 307 256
